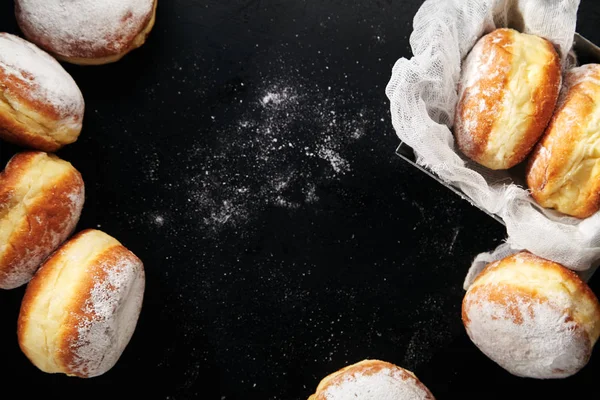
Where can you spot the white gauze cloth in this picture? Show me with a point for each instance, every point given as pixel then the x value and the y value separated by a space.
pixel 423 95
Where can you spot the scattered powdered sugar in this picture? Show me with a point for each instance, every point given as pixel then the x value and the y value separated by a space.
pixel 111 314
pixel 529 338
pixel 385 384
pixel 290 139
pixel 159 220
pixel 84 28
pixel 42 77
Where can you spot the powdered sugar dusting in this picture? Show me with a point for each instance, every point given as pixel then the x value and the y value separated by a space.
pixel 567 126
pixel 83 28
pixel 530 338
pixel 479 98
pixel 292 138
pixel 385 384
pixel 43 78
pixel 585 73
pixel 111 310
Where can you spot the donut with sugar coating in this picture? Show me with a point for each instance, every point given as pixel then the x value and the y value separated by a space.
pixel 87 32
pixel 507 92
pixel 533 317
pixel 81 308
pixel 372 380
pixel 41 106
pixel 41 198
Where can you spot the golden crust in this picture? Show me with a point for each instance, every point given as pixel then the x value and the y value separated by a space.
pixel 366 368
pixel 474 146
pixel 41 198
pixel 564 169
pixel 498 117
pixel 58 312
pixel 81 55
pixel 27 119
pixel 14 131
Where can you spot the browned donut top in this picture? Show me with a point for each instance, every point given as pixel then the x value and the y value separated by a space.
pixel 507 92
pixel 564 169
pixel 81 308
pixel 41 198
pixel 532 316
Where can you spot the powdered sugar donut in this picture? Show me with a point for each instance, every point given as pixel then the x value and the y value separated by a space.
pixel 41 197
pixel 372 380
pixel 533 317
pixel 81 308
pixel 87 32
pixel 508 89
pixel 40 104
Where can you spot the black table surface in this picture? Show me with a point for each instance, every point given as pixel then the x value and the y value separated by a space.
pixel 246 154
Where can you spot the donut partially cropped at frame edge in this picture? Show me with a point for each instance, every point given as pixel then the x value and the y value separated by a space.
pixel 563 172
pixel 533 317
pixel 87 32
pixel 41 198
pixel 41 106
pixel 81 308
pixel 372 380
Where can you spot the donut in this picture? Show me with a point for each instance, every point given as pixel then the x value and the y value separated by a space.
pixel 81 308
pixel 87 32
pixel 41 197
pixel 564 169
pixel 372 380
pixel 533 317
pixel 41 106
pixel 507 92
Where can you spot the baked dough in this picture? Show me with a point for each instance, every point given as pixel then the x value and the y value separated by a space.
pixel 81 308
pixel 372 380
pixel 564 169
pixel 41 197
pixel 508 90
pixel 41 106
pixel 533 317
pixel 87 32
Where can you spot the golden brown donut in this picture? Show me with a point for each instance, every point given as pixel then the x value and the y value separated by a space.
pixel 372 380
pixel 508 89
pixel 40 104
pixel 87 32
pixel 41 197
pixel 81 308
pixel 564 169
pixel 533 317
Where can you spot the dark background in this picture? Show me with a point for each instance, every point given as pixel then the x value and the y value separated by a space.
pixel 267 269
